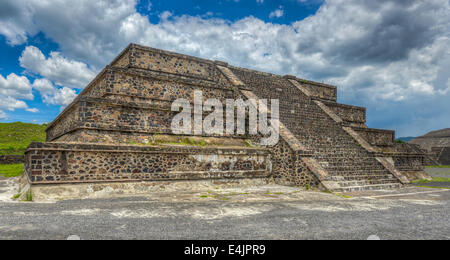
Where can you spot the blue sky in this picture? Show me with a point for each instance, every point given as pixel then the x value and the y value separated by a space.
pixel 391 56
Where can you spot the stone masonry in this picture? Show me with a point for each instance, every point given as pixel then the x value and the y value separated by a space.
pixel 11 159
pixel 442 155
pixel 118 129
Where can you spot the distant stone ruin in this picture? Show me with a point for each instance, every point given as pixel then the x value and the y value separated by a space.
pixel 119 130
pixel 436 146
pixel 441 155
pixel 434 139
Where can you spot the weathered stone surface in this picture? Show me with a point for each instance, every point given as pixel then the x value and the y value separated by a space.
pixel 68 163
pixel 442 155
pixel 377 137
pixel 440 138
pixel 11 159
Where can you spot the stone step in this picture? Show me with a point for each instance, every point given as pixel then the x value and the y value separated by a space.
pixel 349 161
pixel 334 149
pixel 324 157
pixel 367 182
pixel 389 186
pixel 354 177
pixel 354 168
pixel 339 166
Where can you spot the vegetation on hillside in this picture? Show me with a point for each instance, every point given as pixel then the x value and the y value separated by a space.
pixel 11 170
pixel 15 137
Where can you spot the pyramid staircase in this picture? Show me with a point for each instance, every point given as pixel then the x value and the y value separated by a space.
pixel 349 165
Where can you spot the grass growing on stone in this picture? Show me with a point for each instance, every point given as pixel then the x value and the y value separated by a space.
pixel 29 196
pixel 11 170
pixel 15 137
pixel 438 166
pixel 435 179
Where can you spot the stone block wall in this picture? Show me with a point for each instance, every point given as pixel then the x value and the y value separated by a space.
pixel 442 155
pixel 128 100
pixel 377 137
pixel 102 136
pixel 319 90
pixel 67 163
pixel 153 85
pixel 121 117
pixel 12 159
pixel 65 124
pixel 409 162
pixel 407 157
pixel 163 61
pixel 355 116
pixel 288 168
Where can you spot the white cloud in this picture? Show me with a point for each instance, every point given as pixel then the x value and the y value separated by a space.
pixel 13 88
pixel 16 87
pixel 3 115
pixel 85 30
pixel 63 72
pixel 62 97
pixel 32 110
pixel 11 104
pixel 44 86
pixel 52 95
pixel 16 21
pixel 277 13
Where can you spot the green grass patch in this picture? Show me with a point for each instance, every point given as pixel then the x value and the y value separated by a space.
pixel 11 170
pixel 435 179
pixel 29 196
pixel 344 196
pixel 15 137
pixel 431 187
pixel 437 166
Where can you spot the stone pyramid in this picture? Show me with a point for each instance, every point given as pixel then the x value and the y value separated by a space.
pixel 119 130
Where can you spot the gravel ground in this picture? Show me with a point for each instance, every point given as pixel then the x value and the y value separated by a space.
pixel 411 213
pixel 438 172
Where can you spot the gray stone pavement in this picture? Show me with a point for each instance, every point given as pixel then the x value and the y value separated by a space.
pixel 438 172
pixel 264 212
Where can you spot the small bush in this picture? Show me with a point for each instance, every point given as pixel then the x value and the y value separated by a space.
pixel 29 196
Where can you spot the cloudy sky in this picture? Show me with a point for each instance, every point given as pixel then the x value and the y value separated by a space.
pixel 392 56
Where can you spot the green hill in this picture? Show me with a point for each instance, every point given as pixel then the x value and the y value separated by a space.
pixel 15 137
